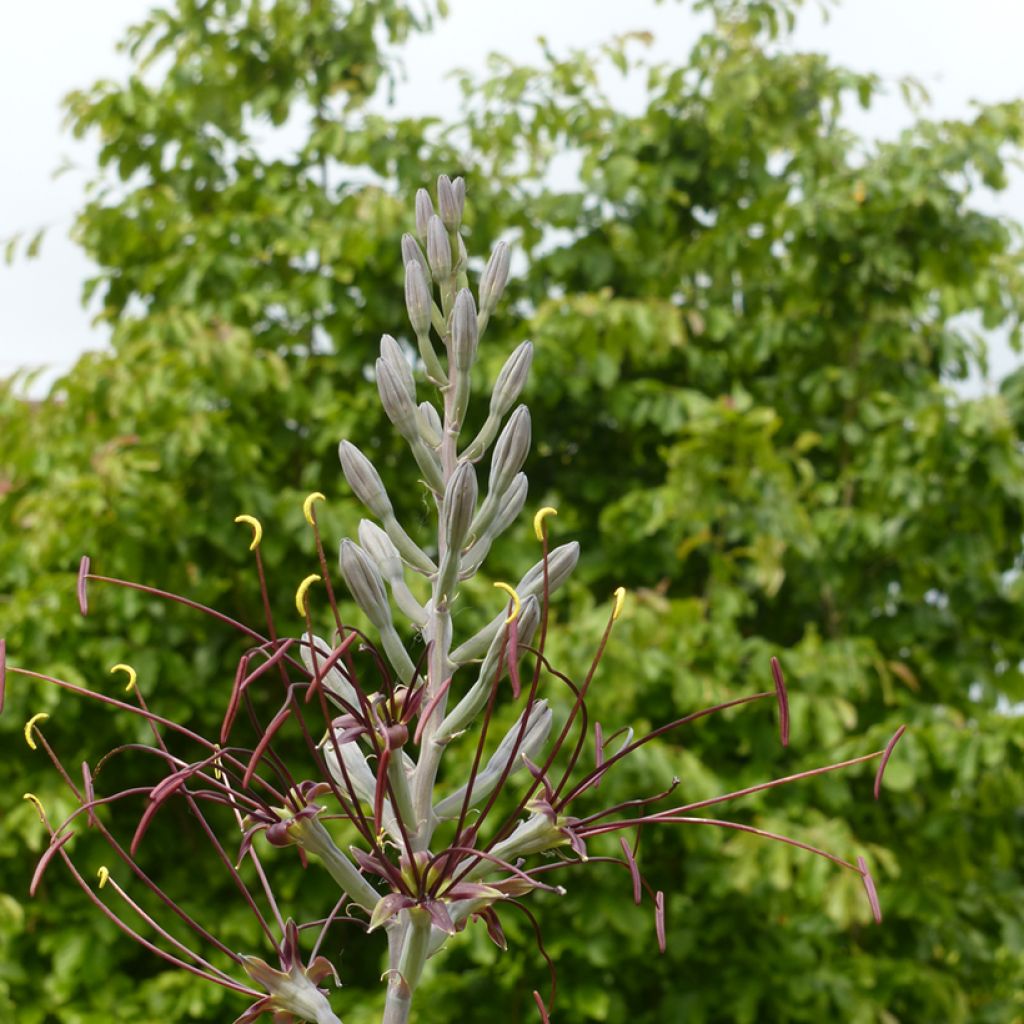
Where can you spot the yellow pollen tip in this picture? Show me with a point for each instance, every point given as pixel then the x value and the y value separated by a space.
pixel 515 600
pixel 620 600
pixel 257 529
pixel 32 798
pixel 217 774
pixel 307 505
pixel 30 724
pixel 539 518
pixel 132 676
pixel 103 874
pixel 300 594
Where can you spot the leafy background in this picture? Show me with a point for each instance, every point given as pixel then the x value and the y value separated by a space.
pixel 748 324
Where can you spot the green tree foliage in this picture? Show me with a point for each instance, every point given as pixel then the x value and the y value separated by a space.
pixel 747 322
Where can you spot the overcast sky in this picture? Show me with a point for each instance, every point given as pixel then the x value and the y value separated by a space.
pixel 962 50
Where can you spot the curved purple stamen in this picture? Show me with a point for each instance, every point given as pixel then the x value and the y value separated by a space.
pixel 783 698
pixel 83 572
pixel 869 887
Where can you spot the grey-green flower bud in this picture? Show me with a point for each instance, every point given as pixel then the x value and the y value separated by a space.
pixel 511 379
pixel 459 188
pixel 459 504
pixel 314 651
pixel 382 550
pixel 424 211
pixel 510 452
pixel 364 479
pixel 412 253
pixel 508 758
pixel 394 396
pixel 464 330
pixel 431 428
pixel 377 544
pixel 494 278
pixel 561 563
pixel 417 297
pixel 391 352
pixel 365 583
pixel 439 250
pixel 449 203
pixel 506 512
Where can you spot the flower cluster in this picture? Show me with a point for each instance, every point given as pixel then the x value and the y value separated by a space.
pixel 344 735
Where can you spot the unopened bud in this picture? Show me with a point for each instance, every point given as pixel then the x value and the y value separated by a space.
pixel 391 352
pixel 561 563
pixel 449 203
pixel 412 253
pixel 365 583
pixel 417 297
pixel 314 651
pixel 511 379
pixel 439 250
pixel 464 330
pixel 494 278
pixel 364 479
pixel 459 504
pixel 377 544
pixel 394 396
pixel 424 211
pixel 510 451
pixel 507 510
pixel 431 428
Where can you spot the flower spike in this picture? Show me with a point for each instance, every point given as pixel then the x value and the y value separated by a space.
pixel 516 604
pixel 257 529
pixel 300 594
pixel 307 505
pixel 132 676
pixel 538 520
pixel 30 725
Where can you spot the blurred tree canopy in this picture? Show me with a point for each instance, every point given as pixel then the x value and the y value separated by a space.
pixel 747 323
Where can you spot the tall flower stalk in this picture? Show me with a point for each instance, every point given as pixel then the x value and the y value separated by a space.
pixel 345 735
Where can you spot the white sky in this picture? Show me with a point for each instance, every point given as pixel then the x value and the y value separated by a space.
pixel 960 49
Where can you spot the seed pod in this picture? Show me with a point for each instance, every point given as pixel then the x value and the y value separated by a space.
pixel 511 379
pixel 464 330
pixel 364 479
pixel 494 279
pixel 459 504
pixel 412 253
pixel 439 250
pixel 448 203
pixel 510 452
pixel 417 297
pixel 394 396
pixel 391 352
pixel 424 211
pixel 365 583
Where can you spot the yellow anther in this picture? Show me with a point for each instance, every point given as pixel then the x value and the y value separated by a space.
pixel 103 874
pixel 131 675
pixel 32 798
pixel 257 529
pixel 515 600
pixel 300 594
pixel 620 600
pixel 307 505
pixel 41 717
pixel 539 518
pixel 217 763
